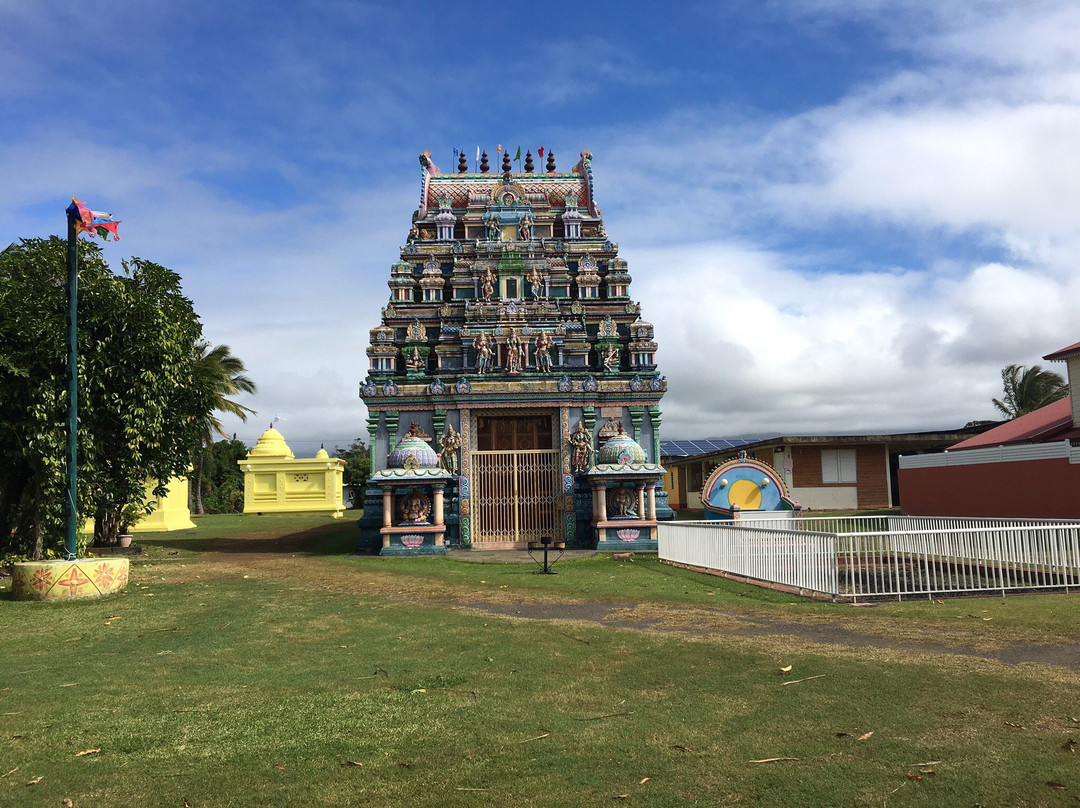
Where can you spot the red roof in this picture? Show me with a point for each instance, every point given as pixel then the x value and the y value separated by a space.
pixel 1064 353
pixel 1045 425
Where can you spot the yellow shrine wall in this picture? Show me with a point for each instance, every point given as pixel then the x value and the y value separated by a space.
pixel 277 482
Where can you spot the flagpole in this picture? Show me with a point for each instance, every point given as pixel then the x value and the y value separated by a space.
pixel 71 510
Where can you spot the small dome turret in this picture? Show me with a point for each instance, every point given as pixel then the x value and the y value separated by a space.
pixel 621 450
pixel 271 444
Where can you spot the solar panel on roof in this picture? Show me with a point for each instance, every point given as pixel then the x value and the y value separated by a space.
pixel 693 448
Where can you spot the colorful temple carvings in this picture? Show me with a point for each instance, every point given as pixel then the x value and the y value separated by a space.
pixel 508 341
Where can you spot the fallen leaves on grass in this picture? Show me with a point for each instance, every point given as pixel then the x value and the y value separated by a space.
pixel 621 797
pixel 786 669
pixel 866 736
pixel 36 780
pixel 351 763
pixel 68 803
pixel 537 738
pixel 681 748
pixel 1055 784
pixel 1069 746
pixel 843 735
pixel 279 766
pixel 1014 726
pixel 644 780
pixel 88 752
pixel 911 776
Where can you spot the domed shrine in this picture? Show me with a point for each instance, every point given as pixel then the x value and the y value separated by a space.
pixel 276 481
pixel 509 336
pixel 743 486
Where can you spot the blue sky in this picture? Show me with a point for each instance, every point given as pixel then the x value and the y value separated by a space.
pixel 841 216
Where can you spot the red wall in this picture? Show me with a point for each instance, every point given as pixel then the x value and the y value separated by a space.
pixel 1029 489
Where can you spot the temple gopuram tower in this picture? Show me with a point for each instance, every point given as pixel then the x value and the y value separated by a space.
pixel 511 346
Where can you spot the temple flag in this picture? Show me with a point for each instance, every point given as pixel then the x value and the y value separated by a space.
pixel 94 222
pixel 540 152
pixel 498 150
pixel 518 155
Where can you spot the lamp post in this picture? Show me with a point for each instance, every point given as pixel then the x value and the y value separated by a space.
pixel 72 511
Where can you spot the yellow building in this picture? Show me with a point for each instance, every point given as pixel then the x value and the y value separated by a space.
pixel 275 481
pixel 170 512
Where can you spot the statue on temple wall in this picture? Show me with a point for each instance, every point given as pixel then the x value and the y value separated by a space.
pixel 415 361
pixel 525 228
pixel 483 354
pixel 414 509
pixel 536 282
pixel 610 358
pixel 494 232
pixel 414 232
pixel 487 284
pixel 515 353
pixel 622 503
pixel 448 454
pixel 543 352
pixel 580 448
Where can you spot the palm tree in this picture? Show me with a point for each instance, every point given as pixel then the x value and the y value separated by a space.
pixel 218 370
pixel 1029 388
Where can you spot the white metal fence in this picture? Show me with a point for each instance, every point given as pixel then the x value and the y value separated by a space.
pixel 882 556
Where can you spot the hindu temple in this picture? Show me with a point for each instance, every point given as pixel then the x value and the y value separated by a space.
pixel 512 390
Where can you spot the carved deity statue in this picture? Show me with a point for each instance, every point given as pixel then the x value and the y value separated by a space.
pixel 494 232
pixel 536 282
pixel 543 352
pixel 515 353
pixel 623 502
pixel 611 358
pixel 525 228
pixel 487 284
pixel 580 448
pixel 448 454
pixel 414 508
pixel 483 354
pixel 415 361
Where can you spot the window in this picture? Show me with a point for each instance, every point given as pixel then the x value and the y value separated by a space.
pixel 838 465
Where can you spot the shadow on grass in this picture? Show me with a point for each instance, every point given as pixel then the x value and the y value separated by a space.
pixel 339 537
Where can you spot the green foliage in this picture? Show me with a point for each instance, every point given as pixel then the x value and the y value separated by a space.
pixel 358 464
pixel 1029 388
pixel 222 479
pixel 140 403
pixel 217 370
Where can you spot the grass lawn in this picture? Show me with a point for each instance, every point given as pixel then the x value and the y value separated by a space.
pixel 253 661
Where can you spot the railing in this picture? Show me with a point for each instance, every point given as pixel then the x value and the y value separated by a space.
pixel 886 556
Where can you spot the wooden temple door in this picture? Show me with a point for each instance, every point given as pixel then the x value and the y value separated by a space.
pixel 516 480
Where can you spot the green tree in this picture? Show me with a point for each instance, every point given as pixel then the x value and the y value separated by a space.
pixel 1029 388
pixel 223 481
pixel 223 373
pixel 358 465
pixel 140 403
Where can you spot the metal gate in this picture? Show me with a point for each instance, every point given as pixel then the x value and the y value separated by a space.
pixel 516 495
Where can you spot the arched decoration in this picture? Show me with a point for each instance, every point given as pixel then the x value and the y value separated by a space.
pixel 744 484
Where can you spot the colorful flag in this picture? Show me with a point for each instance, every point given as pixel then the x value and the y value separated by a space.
pixel 94 222
pixel 540 152
pixel 518 155
pixel 499 149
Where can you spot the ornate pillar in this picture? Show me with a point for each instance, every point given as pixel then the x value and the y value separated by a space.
pixel 438 422
pixel 373 432
pixel 437 504
pixel 387 507
pixel 651 488
pixel 654 419
pixel 601 512
pixel 641 500
pixel 636 414
pixel 391 430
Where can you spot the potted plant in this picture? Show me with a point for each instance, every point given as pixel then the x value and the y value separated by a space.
pixel 129 515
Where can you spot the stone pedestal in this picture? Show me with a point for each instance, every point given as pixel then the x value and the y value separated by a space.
pixel 63 580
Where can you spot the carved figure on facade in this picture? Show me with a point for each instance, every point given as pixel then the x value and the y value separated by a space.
pixel 492 228
pixel 487 284
pixel 543 352
pixel 415 361
pixel 414 233
pixel 414 509
pixel 483 354
pixel 580 448
pixel 536 282
pixel 415 331
pixel 525 228
pixel 610 358
pixel 622 503
pixel 448 454
pixel 515 354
